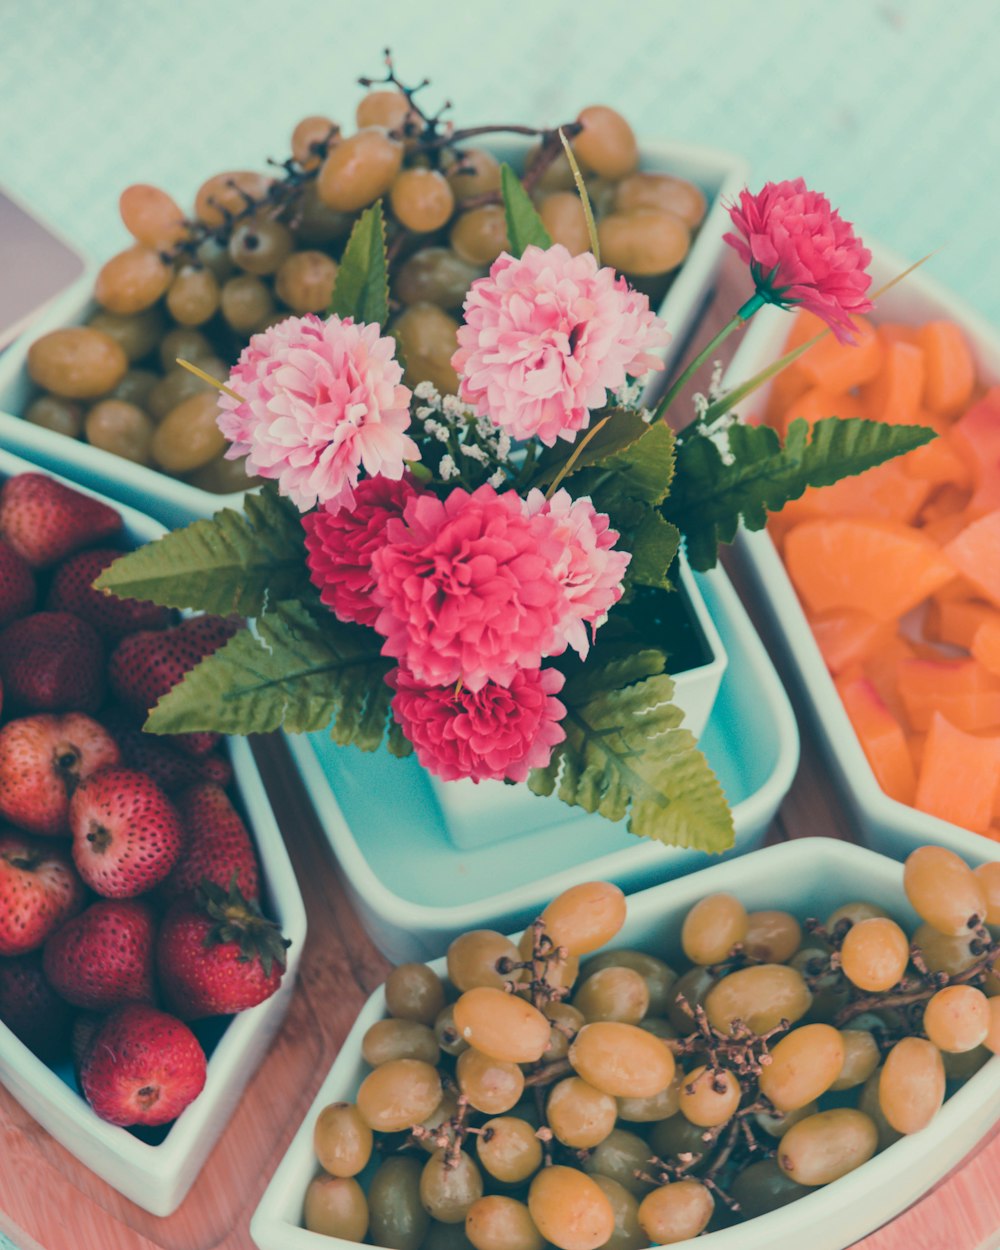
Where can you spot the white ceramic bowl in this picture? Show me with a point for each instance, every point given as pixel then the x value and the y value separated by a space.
pixel 719 174
pixel 809 877
pixel 157 1177
pixel 886 824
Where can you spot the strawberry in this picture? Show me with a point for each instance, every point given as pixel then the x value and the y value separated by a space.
pixel 17 585
pixel 142 1067
pixel 42 759
pixel 217 848
pixel 45 521
pixel 144 666
pixel 216 954
pixel 127 835
pixel 52 662
pixel 72 590
pixel 104 957
pixel 82 1033
pixel 31 1009
pixel 39 891
pixel 155 755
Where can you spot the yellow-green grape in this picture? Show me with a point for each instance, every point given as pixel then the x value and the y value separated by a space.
pixel 492 1086
pixel 709 1098
pixel 225 195
pixel 414 992
pixel 224 477
pixel 479 235
pixel 397 1216
pixel 508 1149
pixel 660 978
pixel 399 1094
pixel 342 1140
pixel 644 242
pixel 712 927
pixel 260 245
pixel 585 916
pixel 311 140
pixel 212 254
pixel 691 988
pixel 52 412
pixel 135 387
pixel 580 1115
pixel 336 1207
pixel 988 876
pixel 777 1123
pixel 178 384
pixel 193 297
pixel 606 145
pixel 761 997
pixel 772 936
pixel 943 953
pixel 619 1157
pixel 473 959
pixel 138 334
pixel 184 343
pixel 957 1018
pixel 120 428
pixel 189 436
pixel 659 1027
pixel 868 1102
pixel 912 1084
pixel 77 362
pixel 570 1209
pixel 476 172
pixel 855 913
pixel 133 280
pixel 566 1022
pixel 557 175
pixel 501 1025
pixel 861 1058
pixel 628 1234
pixel 677 1136
pixel 826 1146
pixel 675 195
pixel 422 199
pixel 763 1187
pixel 622 1059
pixel 658 1107
pixel 428 338
pixel 359 170
pixel 151 217
pixel 318 222
pixel 959 1067
pixel 943 890
pixel 387 108
pixel 448 1187
pixel 601 193
pixel 499 1223
pixel 676 1212
pixel 399 1039
pixel 804 1064
pixel 448 1036
pixel 446 1237
pixel 305 281
pixel 613 994
pixel 446 1110
pixel 563 217
pixel 875 954
pixel 246 303
pixel 435 275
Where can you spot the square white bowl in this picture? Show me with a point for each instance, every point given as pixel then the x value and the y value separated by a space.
pixel 886 824
pixel 157 1177
pixel 175 503
pixel 809 877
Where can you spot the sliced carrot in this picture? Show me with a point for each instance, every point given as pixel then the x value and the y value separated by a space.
pixel 975 554
pixel 815 404
pixel 849 638
pixel 955 621
pixel 949 370
pixel 895 394
pixel 986 644
pixel 976 435
pixel 959 775
pixel 962 690
pixel 839 366
pixel 881 737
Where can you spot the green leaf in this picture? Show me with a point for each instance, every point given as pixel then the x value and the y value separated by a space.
pixel 233 562
pixel 300 673
pixel 653 542
pixel 642 471
pixel 710 497
pixel 362 287
pixel 524 226
pixel 624 755
pixel 624 428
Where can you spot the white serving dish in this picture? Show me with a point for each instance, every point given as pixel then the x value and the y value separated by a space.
pixel 809 877
pixel 157 1177
pixel 481 814
pixel 175 503
pixel 886 824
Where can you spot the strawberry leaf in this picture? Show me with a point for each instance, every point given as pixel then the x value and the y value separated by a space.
pixel 524 226
pixel 362 286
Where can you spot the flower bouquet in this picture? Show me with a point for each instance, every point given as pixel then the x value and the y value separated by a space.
pixel 485 578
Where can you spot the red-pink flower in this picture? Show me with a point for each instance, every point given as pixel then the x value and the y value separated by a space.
pixel 801 251
pixel 320 401
pixel 494 733
pixel 340 543
pixel 468 589
pixel 588 568
pixel 547 337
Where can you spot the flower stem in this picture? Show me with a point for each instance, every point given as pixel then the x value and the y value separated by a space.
pixel 568 466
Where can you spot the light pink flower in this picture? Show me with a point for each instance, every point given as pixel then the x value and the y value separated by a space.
pixel 494 733
pixel 321 401
pixel 340 545
pixel 589 571
pixel 801 251
pixel 547 336
pixel 467 588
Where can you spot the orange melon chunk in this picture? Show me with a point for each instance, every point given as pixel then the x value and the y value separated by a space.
pixel 975 553
pixel 878 567
pixel 886 492
pixel 959 776
pixel 815 404
pixel 881 738
pixel 895 394
pixel 949 370
pixel 977 437
pixel 839 366
pixel 848 638
pixel 960 689
pixel 955 621
pixel 937 462
pixel 986 644
pixel 882 670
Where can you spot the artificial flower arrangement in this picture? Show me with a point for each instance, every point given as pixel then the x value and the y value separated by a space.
pixel 485 578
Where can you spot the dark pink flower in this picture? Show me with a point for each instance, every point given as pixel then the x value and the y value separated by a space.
pixel 801 252
pixel 494 733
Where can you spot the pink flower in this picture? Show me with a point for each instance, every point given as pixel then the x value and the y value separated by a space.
pixel 546 337
pixel 493 733
pixel 321 401
pixel 801 251
pixel 340 545
pixel 589 571
pixel 467 588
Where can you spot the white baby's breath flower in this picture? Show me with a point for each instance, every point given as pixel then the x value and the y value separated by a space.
pixel 497 479
pixel 474 452
pixel 428 391
pixel 436 430
pixel 448 468
pixel 503 445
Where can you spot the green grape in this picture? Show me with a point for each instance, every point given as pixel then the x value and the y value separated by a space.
pixel 151 217
pixel 449 1187
pixel 414 992
pixel 861 1057
pixel 570 1209
pixel 492 1086
pixel 398 1218
pixel 137 334
pixel 658 1107
pixel 660 978
pixel 911 1086
pixel 399 1039
pixel 193 297
pixel 120 428
pixel 501 1025
pixel 804 1064
pixel 606 145
pixel 473 959
pixel 772 936
pixel 342 1140
pixel 712 928
pixel 709 1098
pixel 761 997
pixel 613 994
pixel 868 1102
pixel 336 1206
pixel 508 1149
pixel 826 1146
pixel 763 1187
pixel 622 1059
pixel 447 1035
pixel 579 1115
pixel 693 986
pixel 132 281
pixel 628 1234
pixel 943 890
pixel 676 1212
pixel 399 1094
pixel 619 1157
pixel 875 954
pixel 499 1223
pixel 585 916
pixel 359 170
pixel 957 1018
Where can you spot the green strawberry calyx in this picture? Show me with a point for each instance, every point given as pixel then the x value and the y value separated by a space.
pixel 238 919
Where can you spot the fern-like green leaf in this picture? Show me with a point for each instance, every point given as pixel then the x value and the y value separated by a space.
pixel 362 287
pixel 653 542
pixel 642 471
pixel 710 497
pixel 524 226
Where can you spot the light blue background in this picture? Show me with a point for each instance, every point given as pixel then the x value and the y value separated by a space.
pixel 890 106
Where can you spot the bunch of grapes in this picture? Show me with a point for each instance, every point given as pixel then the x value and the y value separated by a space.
pixel 531 1099
pixel 261 247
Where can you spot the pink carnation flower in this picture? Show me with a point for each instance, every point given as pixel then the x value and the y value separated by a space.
pixel 801 251
pixel 494 733
pixel 547 336
pixel 468 589
pixel 589 571
pixel 321 401
pixel 340 545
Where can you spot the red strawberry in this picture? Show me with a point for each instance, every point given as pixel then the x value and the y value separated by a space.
pixel 42 759
pixel 52 662
pixel 39 891
pixel 31 1009
pixel 72 590
pixel 154 755
pixel 144 666
pixel 17 585
pixel 127 835
pixel 142 1067
pixel 216 954
pixel 217 848
pixel 45 521
pixel 104 957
